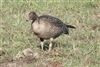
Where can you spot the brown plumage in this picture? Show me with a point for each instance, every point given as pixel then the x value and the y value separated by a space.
pixel 48 27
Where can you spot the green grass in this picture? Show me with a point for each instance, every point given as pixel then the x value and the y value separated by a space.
pixel 15 34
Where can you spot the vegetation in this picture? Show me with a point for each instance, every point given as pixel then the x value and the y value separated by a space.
pixel 81 48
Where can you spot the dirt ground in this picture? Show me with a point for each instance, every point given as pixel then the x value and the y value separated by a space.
pixel 30 58
pixel 23 64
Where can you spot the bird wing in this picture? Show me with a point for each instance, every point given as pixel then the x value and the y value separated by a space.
pixel 52 20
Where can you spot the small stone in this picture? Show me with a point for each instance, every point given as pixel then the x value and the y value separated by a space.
pixel 27 55
pixel 36 55
pixel 28 52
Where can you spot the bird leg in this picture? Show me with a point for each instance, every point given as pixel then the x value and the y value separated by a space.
pixel 42 42
pixel 50 45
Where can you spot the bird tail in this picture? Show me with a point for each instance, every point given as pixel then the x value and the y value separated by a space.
pixel 70 26
pixel 66 30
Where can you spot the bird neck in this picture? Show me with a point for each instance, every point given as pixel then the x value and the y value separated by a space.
pixel 34 20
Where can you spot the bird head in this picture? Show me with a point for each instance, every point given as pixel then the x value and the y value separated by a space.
pixel 32 16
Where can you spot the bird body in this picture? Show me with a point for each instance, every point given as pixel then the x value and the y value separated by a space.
pixel 48 27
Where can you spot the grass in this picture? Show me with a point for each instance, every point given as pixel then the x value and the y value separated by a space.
pixel 79 49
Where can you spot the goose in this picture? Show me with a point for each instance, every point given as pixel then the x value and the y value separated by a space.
pixel 47 27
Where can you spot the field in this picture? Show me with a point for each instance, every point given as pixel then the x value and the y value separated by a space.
pixel 81 48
